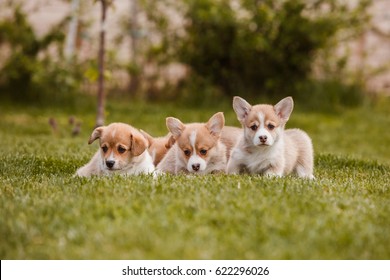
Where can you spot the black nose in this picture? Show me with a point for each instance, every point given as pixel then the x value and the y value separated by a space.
pixel 196 167
pixel 263 138
pixel 110 163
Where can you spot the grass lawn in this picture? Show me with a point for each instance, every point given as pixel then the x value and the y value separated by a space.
pixel 48 214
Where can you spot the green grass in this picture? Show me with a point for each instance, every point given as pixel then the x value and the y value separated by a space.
pixel 46 213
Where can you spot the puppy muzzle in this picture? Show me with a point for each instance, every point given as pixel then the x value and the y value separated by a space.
pixel 196 167
pixel 110 163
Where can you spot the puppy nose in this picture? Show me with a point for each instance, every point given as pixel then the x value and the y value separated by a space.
pixel 263 138
pixel 196 167
pixel 110 163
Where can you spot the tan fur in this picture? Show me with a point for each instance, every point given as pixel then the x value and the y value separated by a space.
pixel 298 153
pixel 229 137
pixel 196 144
pixel 265 147
pixel 121 146
pixel 158 146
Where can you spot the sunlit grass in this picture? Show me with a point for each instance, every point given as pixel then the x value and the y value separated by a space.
pixel 46 213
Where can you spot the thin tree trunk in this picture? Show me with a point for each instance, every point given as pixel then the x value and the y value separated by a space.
pixel 101 97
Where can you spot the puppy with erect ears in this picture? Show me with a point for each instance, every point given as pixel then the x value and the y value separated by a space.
pixel 265 146
pixel 158 146
pixel 123 150
pixel 198 148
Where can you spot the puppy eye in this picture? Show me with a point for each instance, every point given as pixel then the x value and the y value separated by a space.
pixel 203 152
pixel 121 150
pixel 270 126
pixel 187 153
pixel 105 149
pixel 254 127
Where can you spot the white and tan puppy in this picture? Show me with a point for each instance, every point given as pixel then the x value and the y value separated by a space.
pixel 198 148
pixel 265 146
pixel 158 146
pixel 123 150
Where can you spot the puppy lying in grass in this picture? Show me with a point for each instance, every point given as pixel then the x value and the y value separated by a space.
pixel 198 148
pixel 123 150
pixel 265 146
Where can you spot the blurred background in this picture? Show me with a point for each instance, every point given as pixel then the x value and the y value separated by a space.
pixel 328 53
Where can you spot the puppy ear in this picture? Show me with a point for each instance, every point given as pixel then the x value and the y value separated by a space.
pixel 148 137
pixel 284 108
pixel 171 141
pixel 216 123
pixel 175 126
pixel 138 145
pixel 241 107
pixel 97 133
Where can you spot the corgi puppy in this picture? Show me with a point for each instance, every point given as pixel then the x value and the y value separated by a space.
pixel 265 147
pixel 123 150
pixel 158 146
pixel 198 148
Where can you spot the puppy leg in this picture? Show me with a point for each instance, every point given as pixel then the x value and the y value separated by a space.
pixel 304 172
pixel 91 168
pixel 274 171
pixel 303 161
pixel 304 167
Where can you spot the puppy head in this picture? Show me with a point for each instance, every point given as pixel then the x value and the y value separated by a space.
pixel 158 146
pixel 119 143
pixel 263 123
pixel 197 141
